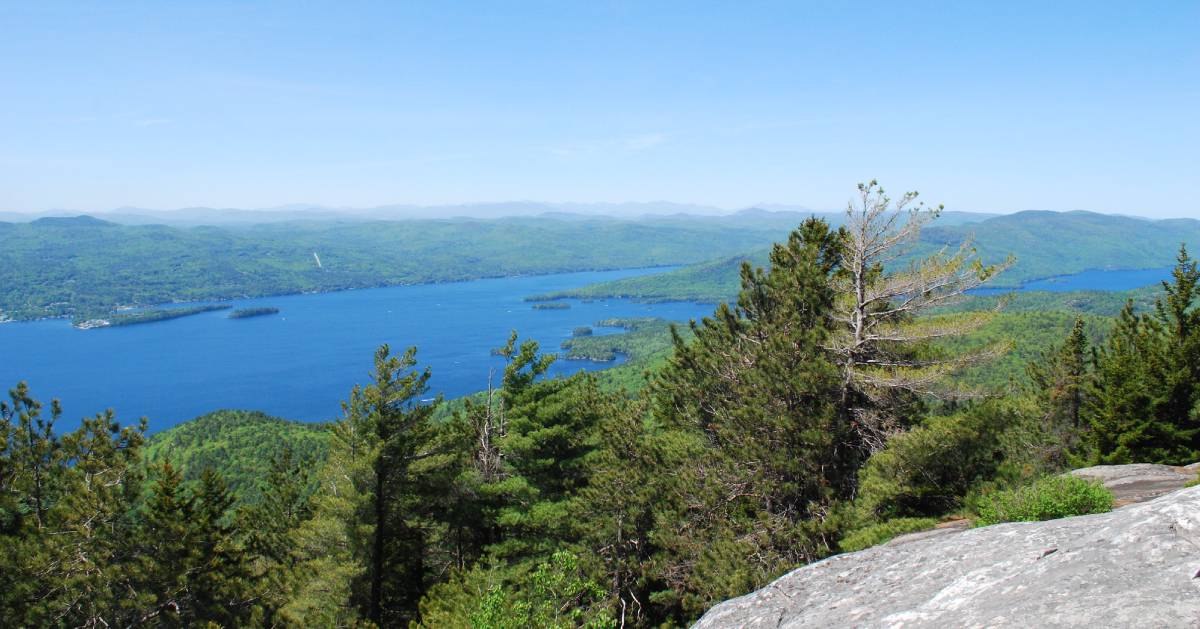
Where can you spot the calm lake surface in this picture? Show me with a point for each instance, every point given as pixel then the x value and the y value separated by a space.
pixel 1104 280
pixel 301 362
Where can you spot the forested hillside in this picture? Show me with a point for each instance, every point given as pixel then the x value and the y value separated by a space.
pixel 85 267
pixel 1044 244
pixel 834 404
pixel 241 444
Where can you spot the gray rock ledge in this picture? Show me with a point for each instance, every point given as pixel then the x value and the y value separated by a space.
pixel 1138 566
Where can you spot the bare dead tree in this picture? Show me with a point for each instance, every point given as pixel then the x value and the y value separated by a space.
pixel 490 428
pixel 884 312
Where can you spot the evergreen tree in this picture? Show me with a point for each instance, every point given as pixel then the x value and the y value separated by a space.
pixel 626 493
pixel 1061 383
pixel 1176 321
pixel 1146 399
pixel 66 516
pixel 221 590
pixel 169 550
pixel 755 397
pixel 271 525
pixel 371 514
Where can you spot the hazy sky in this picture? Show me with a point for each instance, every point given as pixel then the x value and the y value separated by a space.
pixel 1003 107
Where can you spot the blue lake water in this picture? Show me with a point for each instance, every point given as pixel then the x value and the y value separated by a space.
pixel 1099 279
pixel 301 362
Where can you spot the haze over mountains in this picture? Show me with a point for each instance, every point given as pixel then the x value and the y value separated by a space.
pixel 200 215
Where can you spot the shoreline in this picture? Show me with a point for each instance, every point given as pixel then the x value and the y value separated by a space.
pixel 231 298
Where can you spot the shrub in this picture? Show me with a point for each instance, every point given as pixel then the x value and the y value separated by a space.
pixel 877 534
pixel 1046 499
pixel 926 471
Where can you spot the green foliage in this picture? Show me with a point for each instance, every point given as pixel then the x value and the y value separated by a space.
pixel 589 501
pixel 1031 335
pixel 164 314
pixel 928 470
pixel 86 545
pixel 192 567
pixel 556 597
pixel 242 444
pixel 1089 303
pixel 246 313
pixel 754 397
pixel 85 267
pixel 711 282
pixel 1046 499
pixel 643 338
pixel 1143 403
pixel 877 534
pixel 386 432
pixel 1082 241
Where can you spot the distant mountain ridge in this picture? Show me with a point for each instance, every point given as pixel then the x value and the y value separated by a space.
pixel 1044 243
pixel 199 215
pixel 311 212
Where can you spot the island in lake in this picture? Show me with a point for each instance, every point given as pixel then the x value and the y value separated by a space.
pixel 553 305
pixel 246 313
pixel 148 316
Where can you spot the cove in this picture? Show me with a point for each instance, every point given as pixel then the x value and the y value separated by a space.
pixel 301 362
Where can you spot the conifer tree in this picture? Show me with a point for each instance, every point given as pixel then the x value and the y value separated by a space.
pixel 754 398
pixel 169 547
pixel 66 516
pixel 270 527
pixel 96 536
pixel 1061 382
pixel 220 589
pixel 1146 398
pixel 370 523
pixel 623 499
pixel 529 443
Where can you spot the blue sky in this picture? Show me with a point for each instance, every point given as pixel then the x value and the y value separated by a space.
pixel 1001 106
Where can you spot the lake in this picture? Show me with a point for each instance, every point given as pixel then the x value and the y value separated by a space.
pixel 1097 279
pixel 302 362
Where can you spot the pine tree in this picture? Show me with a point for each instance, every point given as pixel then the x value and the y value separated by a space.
pixel 1061 382
pixel 372 509
pixel 768 456
pixel 1176 322
pixel 66 516
pixel 1146 406
pixel 168 557
pixel 271 525
pixel 220 588
pixel 623 499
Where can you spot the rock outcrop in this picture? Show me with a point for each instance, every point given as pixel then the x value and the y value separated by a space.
pixel 1137 566
pixel 1139 482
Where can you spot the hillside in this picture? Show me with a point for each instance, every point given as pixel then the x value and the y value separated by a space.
pixel 84 266
pixel 240 444
pixel 1044 244
pixel 1058 243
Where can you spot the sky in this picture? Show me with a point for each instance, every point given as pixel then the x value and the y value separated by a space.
pixel 995 107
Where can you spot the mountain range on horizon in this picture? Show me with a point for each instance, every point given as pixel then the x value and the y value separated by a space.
pixel 203 215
